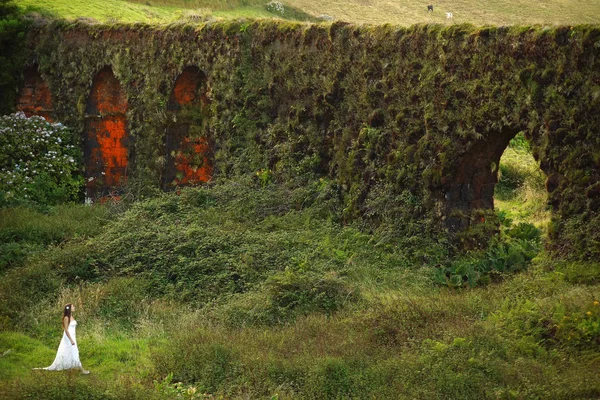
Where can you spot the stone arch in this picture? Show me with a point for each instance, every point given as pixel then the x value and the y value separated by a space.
pixel 471 186
pixel 106 137
pixel 35 97
pixel 187 148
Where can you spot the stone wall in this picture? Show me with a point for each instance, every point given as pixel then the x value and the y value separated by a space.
pixel 411 122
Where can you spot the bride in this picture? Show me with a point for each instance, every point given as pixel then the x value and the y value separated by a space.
pixel 67 356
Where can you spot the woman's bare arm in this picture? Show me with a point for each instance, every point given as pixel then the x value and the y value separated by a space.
pixel 66 328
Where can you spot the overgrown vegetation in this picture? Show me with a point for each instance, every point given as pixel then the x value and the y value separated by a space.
pixel 12 53
pixel 253 288
pixel 509 252
pixel 317 269
pixel 355 117
pixel 249 288
pixel 25 231
pixel 522 210
pixel 40 163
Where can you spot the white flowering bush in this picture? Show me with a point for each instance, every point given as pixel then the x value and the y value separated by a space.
pixel 276 6
pixel 40 162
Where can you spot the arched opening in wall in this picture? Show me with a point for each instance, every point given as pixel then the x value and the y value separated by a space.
pixel 34 96
pixel 106 139
pixel 187 148
pixel 497 180
pixel 520 194
pixel 470 194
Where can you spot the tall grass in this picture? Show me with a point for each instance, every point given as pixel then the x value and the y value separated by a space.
pixel 274 298
pixel 25 232
pixel 520 193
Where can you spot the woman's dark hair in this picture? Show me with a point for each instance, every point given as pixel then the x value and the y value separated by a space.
pixel 67 312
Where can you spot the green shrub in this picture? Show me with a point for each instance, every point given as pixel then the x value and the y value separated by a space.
pixel 284 296
pixel 74 262
pixel 579 326
pixel 192 357
pixel 580 272
pixel 204 243
pixel 453 371
pixel 390 216
pixel 334 379
pixel 40 161
pixel 509 252
pixel 572 322
pixel 25 232
pixel 121 300
pixel 14 254
pixel 292 293
pixel 69 385
pixel 22 288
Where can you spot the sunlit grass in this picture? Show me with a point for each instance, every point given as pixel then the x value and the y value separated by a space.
pixel 394 333
pixel 129 12
pixel 520 192
pixel 500 12
pixel 103 11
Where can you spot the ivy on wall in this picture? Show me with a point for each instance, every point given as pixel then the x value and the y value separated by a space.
pixel 413 116
pixel 12 53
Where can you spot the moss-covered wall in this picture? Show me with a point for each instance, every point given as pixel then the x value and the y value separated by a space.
pixel 419 114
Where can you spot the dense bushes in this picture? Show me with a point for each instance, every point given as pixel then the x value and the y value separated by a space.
pixel 274 296
pixel 509 252
pixel 196 246
pixel 23 288
pixel 573 322
pixel 28 231
pixel 40 161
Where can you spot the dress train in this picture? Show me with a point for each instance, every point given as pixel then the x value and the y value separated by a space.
pixel 67 356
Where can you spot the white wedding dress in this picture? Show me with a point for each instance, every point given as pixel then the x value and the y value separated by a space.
pixel 67 356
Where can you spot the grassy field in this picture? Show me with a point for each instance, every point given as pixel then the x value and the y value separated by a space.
pixel 246 290
pixel 500 12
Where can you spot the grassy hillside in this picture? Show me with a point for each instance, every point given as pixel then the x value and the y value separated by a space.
pixel 154 12
pixel 500 12
pixel 248 289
